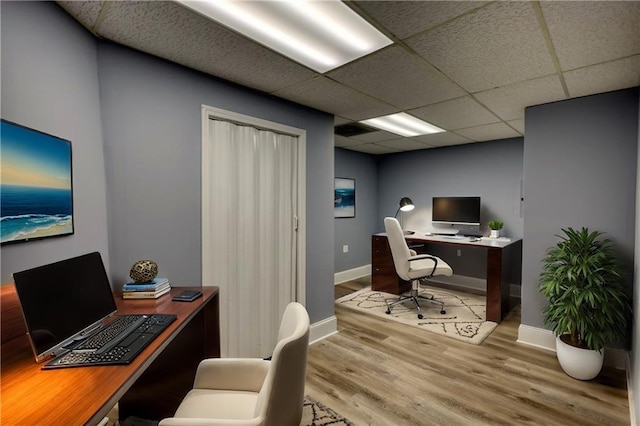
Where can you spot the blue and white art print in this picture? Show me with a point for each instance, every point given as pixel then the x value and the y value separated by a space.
pixel 36 194
pixel 345 197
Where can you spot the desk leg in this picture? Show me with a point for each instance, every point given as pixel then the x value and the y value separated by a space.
pixel 212 328
pixel 497 290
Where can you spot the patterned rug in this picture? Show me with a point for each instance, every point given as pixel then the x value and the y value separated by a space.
pixel 464 320
pixel 316 414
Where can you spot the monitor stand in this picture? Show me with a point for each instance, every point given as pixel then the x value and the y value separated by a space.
pixel 445 232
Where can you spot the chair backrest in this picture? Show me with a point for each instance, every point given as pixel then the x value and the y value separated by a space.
pixel 282 395
pixel 399 248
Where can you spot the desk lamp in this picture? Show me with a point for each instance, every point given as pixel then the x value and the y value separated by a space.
pixel 405 205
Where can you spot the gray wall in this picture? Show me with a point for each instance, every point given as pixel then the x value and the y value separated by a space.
pixel 144 176
pixel 50 83
pixel 356 232
pixel 580 160
pixel 491 170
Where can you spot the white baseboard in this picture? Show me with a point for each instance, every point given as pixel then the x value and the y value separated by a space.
pixel 323 329
pixel 537 337
pixel 351 274
pixel 545 339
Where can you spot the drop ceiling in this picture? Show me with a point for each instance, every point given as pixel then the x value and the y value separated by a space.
pixel 469 67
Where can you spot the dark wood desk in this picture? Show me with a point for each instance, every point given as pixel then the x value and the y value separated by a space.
pixel 151 387
pixel 502 259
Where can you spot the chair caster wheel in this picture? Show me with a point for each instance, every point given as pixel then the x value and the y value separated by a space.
pixel 420 316
pixel 388 312
pixel 443 312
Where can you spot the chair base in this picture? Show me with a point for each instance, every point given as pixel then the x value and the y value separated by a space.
pixel 414 296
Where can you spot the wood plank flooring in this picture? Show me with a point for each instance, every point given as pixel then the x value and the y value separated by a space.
pixel 378 372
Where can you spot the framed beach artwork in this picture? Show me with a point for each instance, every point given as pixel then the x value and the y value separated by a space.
pixel 36 191
pixel 344 200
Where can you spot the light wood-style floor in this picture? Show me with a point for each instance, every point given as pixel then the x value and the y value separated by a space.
pixel 378 372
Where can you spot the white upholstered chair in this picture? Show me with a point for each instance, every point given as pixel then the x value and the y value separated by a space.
pixel 247 391
pixel 412 267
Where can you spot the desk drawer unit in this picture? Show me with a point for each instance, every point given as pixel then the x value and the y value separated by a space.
pixel 383 272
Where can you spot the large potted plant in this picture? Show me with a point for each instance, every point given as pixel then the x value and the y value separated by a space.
pixel 588 303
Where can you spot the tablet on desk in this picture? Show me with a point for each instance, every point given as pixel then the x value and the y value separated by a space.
pixel 187 296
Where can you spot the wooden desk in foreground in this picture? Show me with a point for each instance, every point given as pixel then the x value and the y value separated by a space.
pixel 503 259
pixel 151 387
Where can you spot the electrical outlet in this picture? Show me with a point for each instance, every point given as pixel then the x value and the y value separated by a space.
pixel 459 252
pixel 345 248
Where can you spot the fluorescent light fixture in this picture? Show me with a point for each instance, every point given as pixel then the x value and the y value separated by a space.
pixel 321 35
pixel 402 124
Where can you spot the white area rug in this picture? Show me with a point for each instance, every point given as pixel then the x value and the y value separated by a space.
pixel 464 320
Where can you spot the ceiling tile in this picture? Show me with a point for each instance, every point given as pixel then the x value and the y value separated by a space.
pixel 443 139
pixel 158 28
pixel 455 114
pixel 371 148
pixel 405 18
pixel 605 77
pixel 327 95
pixel 85 12
pixel 610 29
pixel 496 45
pixel 341 141
pixel 489 132
pixel 517 124
pixel 337 120
pixel 378 136
pixel 404 144
pixel 508 102
pixel 414 82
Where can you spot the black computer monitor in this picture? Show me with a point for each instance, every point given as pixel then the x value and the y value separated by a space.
pixel 64 300
pixel 456 210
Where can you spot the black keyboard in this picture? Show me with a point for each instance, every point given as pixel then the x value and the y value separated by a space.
pixel 136 333
pixel 112 333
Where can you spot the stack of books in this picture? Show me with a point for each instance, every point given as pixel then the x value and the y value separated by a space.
pixel 150 290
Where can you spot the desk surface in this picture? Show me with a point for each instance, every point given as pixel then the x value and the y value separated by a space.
pixel 83 395
pixel 483 242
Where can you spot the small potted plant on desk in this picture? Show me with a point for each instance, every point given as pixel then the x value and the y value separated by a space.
pixel 495 226
pixel 589 305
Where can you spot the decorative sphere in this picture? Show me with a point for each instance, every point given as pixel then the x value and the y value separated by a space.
pixel 144 271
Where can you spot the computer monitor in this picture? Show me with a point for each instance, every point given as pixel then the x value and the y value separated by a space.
pixel 63 301
pixel 456 210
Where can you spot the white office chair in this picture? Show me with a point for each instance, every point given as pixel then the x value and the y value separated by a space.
pixel 413 267
pixel 248 391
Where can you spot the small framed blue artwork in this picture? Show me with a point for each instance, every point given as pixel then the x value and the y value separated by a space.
pixel 36 190
pixel 344 201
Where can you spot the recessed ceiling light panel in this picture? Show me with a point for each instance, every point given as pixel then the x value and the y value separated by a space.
pixel 322 35
pixel 403 124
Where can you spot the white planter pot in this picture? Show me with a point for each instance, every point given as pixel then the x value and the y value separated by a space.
pixel 495 233
pixel 582 364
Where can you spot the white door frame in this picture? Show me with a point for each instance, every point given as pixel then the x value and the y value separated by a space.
pixel 208 113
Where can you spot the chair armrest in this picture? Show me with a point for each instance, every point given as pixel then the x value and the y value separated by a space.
pixel 245 374
pixel 426 256
pixel 183 421
pixel 413 252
